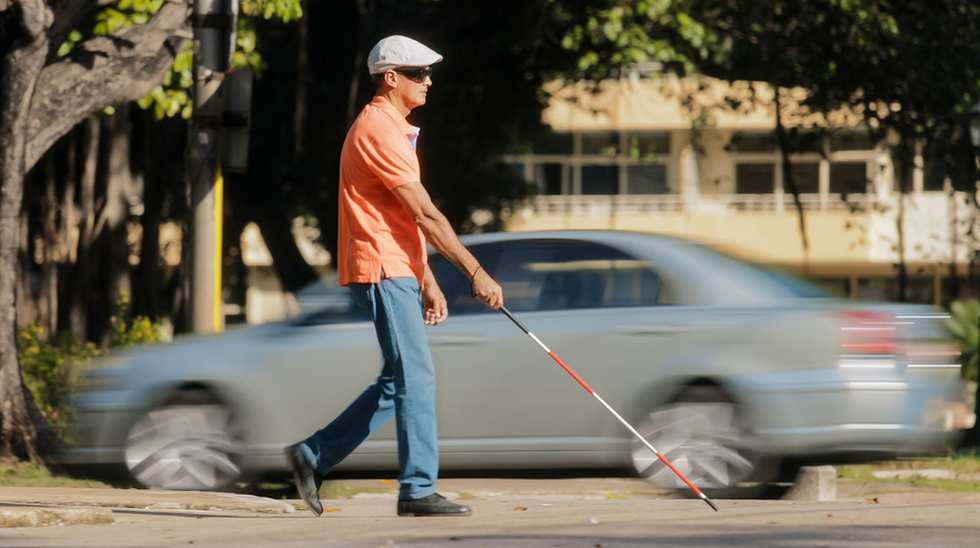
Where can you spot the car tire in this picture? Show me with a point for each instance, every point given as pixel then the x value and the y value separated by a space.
pixel 188 443
pixel 702 431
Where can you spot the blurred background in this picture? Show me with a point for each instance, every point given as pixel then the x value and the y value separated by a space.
pixel 835 140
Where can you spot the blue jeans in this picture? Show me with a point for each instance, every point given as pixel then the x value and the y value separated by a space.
pixel 406 389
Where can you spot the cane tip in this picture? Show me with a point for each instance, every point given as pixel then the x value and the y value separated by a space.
pixel 709 502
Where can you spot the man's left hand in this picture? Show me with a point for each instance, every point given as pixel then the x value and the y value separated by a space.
pixel 434 306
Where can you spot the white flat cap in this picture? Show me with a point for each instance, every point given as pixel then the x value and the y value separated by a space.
pixel 400 51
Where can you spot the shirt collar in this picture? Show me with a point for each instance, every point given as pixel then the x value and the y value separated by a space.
pixel 385 105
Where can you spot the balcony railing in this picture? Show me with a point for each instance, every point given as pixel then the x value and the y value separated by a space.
pixel 605 204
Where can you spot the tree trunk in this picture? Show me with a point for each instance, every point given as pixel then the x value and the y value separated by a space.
pixel 789 181
pixel 27 310
pixel 365 32
pixel 111 228
pixel 69 230
pixel 49 268
pixel 23 431
pixel 146 293
pixel 86 229
pixel 902 157
pixel 293 271
pixel 302 84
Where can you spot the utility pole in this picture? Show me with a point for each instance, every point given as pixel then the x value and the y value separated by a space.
pixel 214 39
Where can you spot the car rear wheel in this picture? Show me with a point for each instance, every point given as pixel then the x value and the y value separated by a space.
pixel 189 443
pixel 702 433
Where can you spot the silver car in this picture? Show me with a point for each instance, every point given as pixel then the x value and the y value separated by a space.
pixel 737 373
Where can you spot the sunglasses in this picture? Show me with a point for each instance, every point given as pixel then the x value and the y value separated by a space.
pixel 415 74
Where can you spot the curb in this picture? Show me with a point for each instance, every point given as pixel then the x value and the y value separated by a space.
pixel 49 517
pixel 81 498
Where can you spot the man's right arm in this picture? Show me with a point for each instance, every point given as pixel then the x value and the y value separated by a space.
pixel 440 233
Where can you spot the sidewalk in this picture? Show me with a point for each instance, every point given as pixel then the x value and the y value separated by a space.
pixel 42 506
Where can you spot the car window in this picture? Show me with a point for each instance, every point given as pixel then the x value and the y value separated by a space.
pixel 333 306
pixel 579 274
pixel 456 286
pixel 552 274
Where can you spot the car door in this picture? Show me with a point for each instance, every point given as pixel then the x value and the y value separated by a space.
pixel 318 364
pixel 497 388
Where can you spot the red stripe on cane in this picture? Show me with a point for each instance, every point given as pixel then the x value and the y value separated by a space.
pixel 581 382
pixel 683 478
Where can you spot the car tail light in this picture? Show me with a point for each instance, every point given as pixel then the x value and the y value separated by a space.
pixel 868 339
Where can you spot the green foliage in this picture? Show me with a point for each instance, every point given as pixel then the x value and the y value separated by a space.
pixel 139 330
pixel 618 34
pixel 173 96
pixel 965 325
pixel 51 369
pixel 52 366
pixel 283 10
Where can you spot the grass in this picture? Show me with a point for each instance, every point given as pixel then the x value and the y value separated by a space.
pixel 966 463
pixel 340 490
pixel 26 474
pixel 965 466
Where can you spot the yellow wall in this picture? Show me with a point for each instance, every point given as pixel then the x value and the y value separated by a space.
pixel 835 236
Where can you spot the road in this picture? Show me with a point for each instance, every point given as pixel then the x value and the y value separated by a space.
pixel 586 513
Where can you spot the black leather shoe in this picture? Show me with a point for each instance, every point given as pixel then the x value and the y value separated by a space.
pixel 305 478
pixel 432 505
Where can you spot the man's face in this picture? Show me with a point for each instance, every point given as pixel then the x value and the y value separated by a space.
pixel 413 84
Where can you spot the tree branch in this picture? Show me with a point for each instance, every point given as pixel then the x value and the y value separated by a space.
pixel 105 70
pixel 68 14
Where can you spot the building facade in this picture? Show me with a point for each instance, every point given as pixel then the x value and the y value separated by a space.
pixel 700 160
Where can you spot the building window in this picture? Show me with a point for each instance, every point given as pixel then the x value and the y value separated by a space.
pixel 934 175
pixel 850 140
pixel 600 144
pixel 598 163
pixel 752 142
pixel 754 178
pixel 600 179
pixel 936 169
pixel 549 178
pixel 553 143
pixel 806 176
pixel 647 146
pixel 647 179
pixel 848 177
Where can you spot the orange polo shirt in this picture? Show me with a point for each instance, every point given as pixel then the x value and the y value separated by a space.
pixel 376 231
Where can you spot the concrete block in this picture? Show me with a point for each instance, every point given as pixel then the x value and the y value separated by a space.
pixel 815 483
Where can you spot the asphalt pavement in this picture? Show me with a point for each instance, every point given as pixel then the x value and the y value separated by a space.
pixel 585 512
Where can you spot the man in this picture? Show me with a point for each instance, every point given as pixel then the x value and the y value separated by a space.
pixel 386 217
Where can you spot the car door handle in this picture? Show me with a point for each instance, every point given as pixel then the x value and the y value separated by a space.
pixel 652 329
pixel 456 340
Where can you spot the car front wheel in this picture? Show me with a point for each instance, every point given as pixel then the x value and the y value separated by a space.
pixel 702 433
pixel 188 443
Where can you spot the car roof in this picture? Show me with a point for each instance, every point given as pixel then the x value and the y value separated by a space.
pixel 607 236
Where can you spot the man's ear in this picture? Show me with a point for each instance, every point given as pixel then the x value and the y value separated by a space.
pixel 390 79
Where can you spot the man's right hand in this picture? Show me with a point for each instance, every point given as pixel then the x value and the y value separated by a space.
pixel 487 290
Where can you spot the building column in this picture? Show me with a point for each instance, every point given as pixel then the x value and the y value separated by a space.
pixel 688 175
pixel 884 176
pixel 824 183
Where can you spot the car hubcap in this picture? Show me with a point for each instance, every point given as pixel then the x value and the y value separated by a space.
pixel 701 439
pixel 183 447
